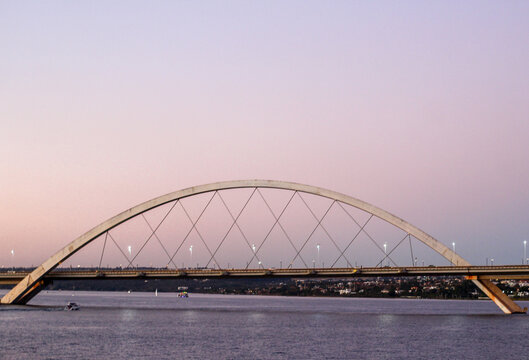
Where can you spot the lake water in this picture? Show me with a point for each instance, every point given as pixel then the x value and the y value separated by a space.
pixel 141 325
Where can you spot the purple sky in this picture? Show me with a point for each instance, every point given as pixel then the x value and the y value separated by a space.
pixel 421 108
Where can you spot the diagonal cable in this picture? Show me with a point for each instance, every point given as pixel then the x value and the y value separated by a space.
pixel 233 224
pixel 369 236
pixel 192 225
pixel 280 225
pixel 273 226
pixel 237 224
pixel 157 238
pixel 312 233
pixel 152 233
pixel 198 232
pixel 411 251
pixel 351 242
pixel 112 238
pixel 396 246
pixel 102 252
pixel 323 227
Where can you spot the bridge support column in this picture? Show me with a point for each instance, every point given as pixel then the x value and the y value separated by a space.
pixel 35 289
pixel 495 294
pixel 29 287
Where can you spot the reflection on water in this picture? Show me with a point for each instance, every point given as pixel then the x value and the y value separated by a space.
pixel 128 314
pixel 140 325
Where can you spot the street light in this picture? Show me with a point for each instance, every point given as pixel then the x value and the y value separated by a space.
pixel 191 256
pixel 130 250
pixel 491 262
pixel 318 247
pixel 385 251
pixel 454 247
pixel 525 251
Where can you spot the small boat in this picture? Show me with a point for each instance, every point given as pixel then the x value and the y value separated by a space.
pixel 71 306
pixel 183 294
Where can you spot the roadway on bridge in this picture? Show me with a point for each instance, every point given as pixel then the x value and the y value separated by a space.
pixel 471 272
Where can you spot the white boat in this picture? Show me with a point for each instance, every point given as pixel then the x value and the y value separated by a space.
pixel 71 306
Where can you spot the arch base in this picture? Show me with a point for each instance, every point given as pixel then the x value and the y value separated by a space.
pixel 495 294
pixel 29 294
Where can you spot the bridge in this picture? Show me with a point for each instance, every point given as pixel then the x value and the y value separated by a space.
pixel 218 250
pixel 470 272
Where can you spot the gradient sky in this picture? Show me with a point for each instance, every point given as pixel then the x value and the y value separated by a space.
pixel 421 108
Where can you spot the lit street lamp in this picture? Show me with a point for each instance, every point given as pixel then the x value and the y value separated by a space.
pixel 525 251
pixel 492 262
pixel 130 250
pixel 253 249
pixel 191 256
pixel 318 247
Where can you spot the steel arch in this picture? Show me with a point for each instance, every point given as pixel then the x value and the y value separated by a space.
pixel 32 283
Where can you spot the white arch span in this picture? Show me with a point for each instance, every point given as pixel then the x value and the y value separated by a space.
pixel 32 283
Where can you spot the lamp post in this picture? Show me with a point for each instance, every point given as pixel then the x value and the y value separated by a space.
pixel 13 258
pixel 491 262
pixel 386 252
pixel 191 256
pixel 318 247
pixel 525 252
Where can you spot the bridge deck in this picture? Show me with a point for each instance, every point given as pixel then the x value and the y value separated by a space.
pixel 472 272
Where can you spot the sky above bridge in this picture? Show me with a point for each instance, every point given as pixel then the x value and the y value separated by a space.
pixel 420 108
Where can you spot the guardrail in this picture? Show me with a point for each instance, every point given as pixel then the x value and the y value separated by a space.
pixel 471 272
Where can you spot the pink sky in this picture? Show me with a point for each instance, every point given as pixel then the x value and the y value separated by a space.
pixel 419 108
